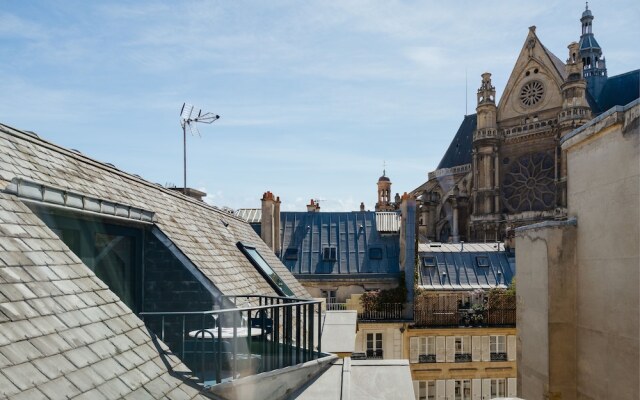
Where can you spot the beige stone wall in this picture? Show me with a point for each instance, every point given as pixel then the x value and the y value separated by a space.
pixel 578 286
pixel 546 319
pixel 603 166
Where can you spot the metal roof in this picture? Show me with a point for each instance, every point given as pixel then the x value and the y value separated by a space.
pixel 459 247
pixel 459 151
pixel 388 221
pixel 464 270
pixel 251 215
pixel 351 234
pixel 619 90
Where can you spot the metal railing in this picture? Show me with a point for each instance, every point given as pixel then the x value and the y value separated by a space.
pixel 263 334
pixel 336 306
pixel 374 354
pixel 387 311
pixel 456 310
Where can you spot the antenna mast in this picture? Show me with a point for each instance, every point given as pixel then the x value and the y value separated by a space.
pixel 189 117
pixel 466 93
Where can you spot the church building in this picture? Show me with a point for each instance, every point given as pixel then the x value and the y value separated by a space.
pixel 504 167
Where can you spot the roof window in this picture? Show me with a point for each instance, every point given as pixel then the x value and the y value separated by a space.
pixel 265 269
pixel 482 261
pixel 429 261
pixel 329 254
pixel 375 253
pixel 291 254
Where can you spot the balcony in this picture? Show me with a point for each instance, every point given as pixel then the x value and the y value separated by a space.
pixel 426 358
pixel 463 357
pixel 454 310
pixel 262 334
pixel 385 311
pixel 374 354
pixel 502 356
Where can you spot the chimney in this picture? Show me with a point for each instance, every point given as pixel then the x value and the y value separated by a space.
pixel 313 206
pixel 362 206
pixel 408 242
pixel 193 193
pixel 267 220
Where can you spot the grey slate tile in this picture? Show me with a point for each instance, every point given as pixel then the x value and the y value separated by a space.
pixel 24 376
pixel 54 366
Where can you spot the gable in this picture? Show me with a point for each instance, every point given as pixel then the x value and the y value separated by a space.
pixel 534 84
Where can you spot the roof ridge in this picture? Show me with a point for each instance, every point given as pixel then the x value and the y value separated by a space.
pixel 23 135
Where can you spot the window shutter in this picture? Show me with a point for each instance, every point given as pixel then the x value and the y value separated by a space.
pixel 451 388
pixel 486 387
pixel 440 390
pixel 440 349
pixel 413 350
pixel 476 389
pixel 512 387
pixel 451 349
pixel 486 356
pixel 511 348
pixel 416 388
pixel 476 348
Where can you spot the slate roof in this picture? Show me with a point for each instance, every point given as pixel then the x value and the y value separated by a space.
pixel 63 333
pixel 461 267
pixel 459 151
pixel 619 90
pixel 205 234
pixel 351 233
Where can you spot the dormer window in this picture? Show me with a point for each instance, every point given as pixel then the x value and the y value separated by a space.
pixel 482 261
pixel 291 254
pixel 329 254
pixel 429 261
pixel 375 253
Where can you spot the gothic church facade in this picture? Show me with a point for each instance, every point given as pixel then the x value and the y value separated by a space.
pixel 504 167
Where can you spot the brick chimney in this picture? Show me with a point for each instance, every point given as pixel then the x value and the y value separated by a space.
pixel 270 221
pixel 313 206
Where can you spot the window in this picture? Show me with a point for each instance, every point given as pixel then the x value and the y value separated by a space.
pixel 462 389
pixel 329 254
pixel 429 261
pixel 422 349
pixel 498 347
pixel 330 295
pixel 482 261
pixel 274 279
pixel 291 254
pixel 375 253
pixel 463 348
pixel 374 345
pixel 498 388
pixel 112 252
pixel 426 390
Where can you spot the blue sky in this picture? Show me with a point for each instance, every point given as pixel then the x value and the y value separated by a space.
pixel 313 95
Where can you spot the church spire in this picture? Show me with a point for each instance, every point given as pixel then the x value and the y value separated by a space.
pixel 593 62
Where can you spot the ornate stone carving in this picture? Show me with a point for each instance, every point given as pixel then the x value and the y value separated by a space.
pixel 529 183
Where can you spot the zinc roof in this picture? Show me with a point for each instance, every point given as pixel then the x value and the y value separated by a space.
pixel 352 234
pixel 477 266
pixel 63 333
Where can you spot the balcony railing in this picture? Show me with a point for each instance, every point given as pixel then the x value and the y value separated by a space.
pixel 499 356
pixel 448 311
pixel 427 358
pixel 387 311
pixel 463 357
pixel 336 306
pixel 374 354
pixel 263 334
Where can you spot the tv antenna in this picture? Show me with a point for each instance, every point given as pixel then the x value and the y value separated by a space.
pixel 190 116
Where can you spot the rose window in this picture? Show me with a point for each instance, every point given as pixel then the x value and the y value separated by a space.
pixel 531 93
pixel 529 183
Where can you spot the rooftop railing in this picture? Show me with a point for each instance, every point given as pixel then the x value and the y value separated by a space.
pixel 386 311
pixel 251 334
pixel 451 310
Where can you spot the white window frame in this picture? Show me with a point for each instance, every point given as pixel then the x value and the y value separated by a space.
pixel 498 387
pixel 426 390
pixel 459 389
pixel 498 343
pixel 374 342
